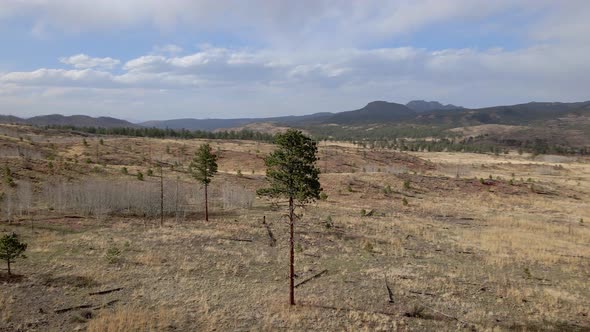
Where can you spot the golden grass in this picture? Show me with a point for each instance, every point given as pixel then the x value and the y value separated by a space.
pixel 133 319
pixel 490 258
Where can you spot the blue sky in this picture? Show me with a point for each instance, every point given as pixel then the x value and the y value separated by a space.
pixel 149 59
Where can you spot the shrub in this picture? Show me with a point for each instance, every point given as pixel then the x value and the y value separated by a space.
pixel 328 222
pixel 407 184
pixel 405 201
pixel 150 172
pixel 239 173
pixel 8 177
pixel 124 170
pixel 387 190
pixel 323 196
pixel 113 255
pixel 363 212
pixel 85 142
pixel 139 176
pixel 101 141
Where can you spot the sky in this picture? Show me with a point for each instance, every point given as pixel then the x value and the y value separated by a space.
pixel 163 59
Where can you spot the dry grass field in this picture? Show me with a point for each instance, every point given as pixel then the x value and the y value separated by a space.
pixel 464 241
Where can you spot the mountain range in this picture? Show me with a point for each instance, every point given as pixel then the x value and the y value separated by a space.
pixel 376 112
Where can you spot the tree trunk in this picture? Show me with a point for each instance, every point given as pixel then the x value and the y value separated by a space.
pixel 8 262
pixel 161 196
pixel 291 254
pixel 206 205
pixel 176 200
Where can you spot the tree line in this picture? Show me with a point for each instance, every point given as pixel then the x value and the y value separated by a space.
pixel 479 144
pixel 244 134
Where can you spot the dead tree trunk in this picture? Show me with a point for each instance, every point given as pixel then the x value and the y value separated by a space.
pixel 176 200
pixel 161 196
pixel 291 254
pixel 206 205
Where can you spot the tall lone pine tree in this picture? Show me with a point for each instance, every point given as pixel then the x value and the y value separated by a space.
pixel 204 167
pixel 292 174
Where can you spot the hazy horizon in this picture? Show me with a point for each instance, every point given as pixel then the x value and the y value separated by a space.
pixel 154 60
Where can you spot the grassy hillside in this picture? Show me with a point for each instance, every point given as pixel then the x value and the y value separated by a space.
pixel 416 222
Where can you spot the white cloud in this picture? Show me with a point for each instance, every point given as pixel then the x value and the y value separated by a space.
pixel 83 61
pixel 59 77
pixel 335 80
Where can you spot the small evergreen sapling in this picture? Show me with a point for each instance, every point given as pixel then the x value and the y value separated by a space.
pixel 11 248
pixel 203 168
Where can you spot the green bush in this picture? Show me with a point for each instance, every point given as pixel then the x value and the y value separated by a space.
pixel 113 255
pixel 407 184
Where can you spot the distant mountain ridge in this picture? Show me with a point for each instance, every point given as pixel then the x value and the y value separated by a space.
pixel 417 112
pixel 373 112
pixel 426 106
pixel 72 120
pixel 215 124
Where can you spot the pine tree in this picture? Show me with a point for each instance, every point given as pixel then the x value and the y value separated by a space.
pixel 292 173
pixel 203 168
pixel 11 248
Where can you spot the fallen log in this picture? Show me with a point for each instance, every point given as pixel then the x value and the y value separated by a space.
pixel 422 293
pixel 236 239
pixel 311 278
pixel 106 291
pixel 83 306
